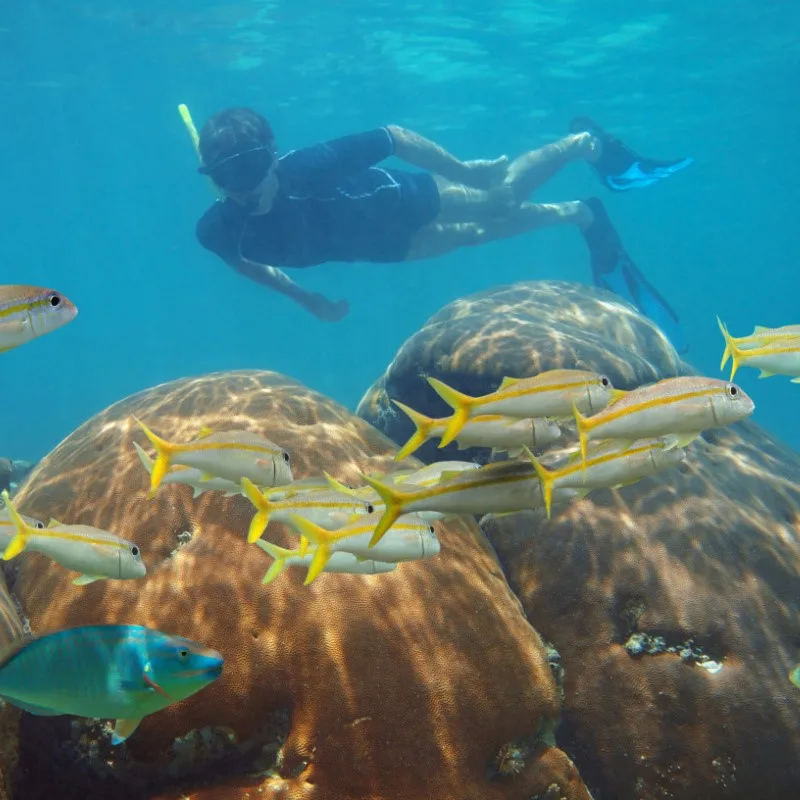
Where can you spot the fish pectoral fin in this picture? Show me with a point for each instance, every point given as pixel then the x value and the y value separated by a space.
pixel 765 374
pixel 447 474
pixel 123 728
pixel 12 326
pixel 680 439
pixel 83 580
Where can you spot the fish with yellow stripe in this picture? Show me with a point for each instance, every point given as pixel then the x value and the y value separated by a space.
pixel 94 553
pixel 549 394
pixel 761 335
pixel 610 464
pixel 28 312
pixel 501 488
pixel 231 455
pixel 410 539
pixel 495 431
pixel 328 508
pixel 772 354
pixel 339 561
pixel 683 406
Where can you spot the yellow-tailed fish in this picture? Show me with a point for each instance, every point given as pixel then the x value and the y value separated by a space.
pixel 501 488
pixel 8 531
pixel 500 433
pixel 684 406
pixel 610 464
pixel 189 476
pixel 410 539
pixel 310 484
pixel 231 455
pixel 760 335
pixel 549 394
pixel 95 553
pixel 773 356
pixel 324 507
pixel 28 312
pixel 338 562
pixel 118 672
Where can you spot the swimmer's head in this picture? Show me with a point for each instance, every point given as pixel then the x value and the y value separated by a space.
pixel 237 148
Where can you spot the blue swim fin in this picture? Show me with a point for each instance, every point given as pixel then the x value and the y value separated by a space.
pixel 613 270
pixel 619 167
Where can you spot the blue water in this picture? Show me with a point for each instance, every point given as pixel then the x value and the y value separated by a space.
pixel 101 195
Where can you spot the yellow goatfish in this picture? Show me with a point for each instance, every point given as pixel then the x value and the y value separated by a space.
pixel 760 335
pixel 500 433
pixel 95 553
pixel 549 394
pixel 28 312
pixel 325 507
pixel 338 562
pixel 231 455
pixel 501 488
pixel 189 476
pixel 410 539
pixel 773 356
pixel 684 406
pixel 610 464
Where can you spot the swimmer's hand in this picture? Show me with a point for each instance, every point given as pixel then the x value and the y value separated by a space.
pixel 326 310
pixel 482 173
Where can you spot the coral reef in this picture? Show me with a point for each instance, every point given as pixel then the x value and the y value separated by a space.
pixel 405 685
pixel 673 603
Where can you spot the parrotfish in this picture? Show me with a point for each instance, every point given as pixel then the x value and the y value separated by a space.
pixel 327 508
pixel 549 394
pixel 338 562
pixel 498 432
pixel 684 406
pixel 95 553
pixel 231 455
pixel 501 488
pixel 410 539
pixel 28 312
pixel 118 672
pixel 610 464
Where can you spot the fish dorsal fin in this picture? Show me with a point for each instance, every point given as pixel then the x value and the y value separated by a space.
pixel 759 328
pixel 506 382
pixel 204 431
pixel 53 523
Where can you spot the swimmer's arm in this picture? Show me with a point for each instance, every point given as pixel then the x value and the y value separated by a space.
pixel 425 154
pixel 279 281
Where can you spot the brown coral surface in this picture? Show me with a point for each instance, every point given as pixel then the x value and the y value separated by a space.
pixel 404 685
pixel 697 568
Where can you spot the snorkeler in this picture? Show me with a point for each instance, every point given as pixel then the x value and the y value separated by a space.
pixel 330 202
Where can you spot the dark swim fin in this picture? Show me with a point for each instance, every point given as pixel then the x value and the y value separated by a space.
pixel 620 168
pixel 613 270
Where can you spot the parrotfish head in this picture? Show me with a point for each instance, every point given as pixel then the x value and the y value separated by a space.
pixel 131 564
pixel 180 667
pixel 731 404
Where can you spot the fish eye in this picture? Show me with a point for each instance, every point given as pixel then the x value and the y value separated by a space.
pixel 733 390
pixel 134 550
pixel 430 529
pixel 370 508
pixel 285 457
pixel 54 300
pixel 184 653
pixel 604 381
pixel 39 525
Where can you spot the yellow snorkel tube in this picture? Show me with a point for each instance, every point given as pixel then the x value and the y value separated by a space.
pixel 183 110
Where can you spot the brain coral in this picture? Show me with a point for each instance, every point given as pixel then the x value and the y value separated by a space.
pixel 675 602
pixel 427 682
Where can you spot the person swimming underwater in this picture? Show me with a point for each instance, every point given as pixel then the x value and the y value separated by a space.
pixel 332 202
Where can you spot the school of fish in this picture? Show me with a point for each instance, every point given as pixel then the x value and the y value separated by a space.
pixel 622 437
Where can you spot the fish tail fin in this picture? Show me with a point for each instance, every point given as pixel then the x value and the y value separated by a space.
pixel 320 537
pixel 20 541
pixel 147 462
pixel 164 451
pixel 546 478
pixel 423 425
pixel 731 349
pixel 279 556
pixel 393 507
pixel 459 402
pixel 263 509
pixel 583 426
